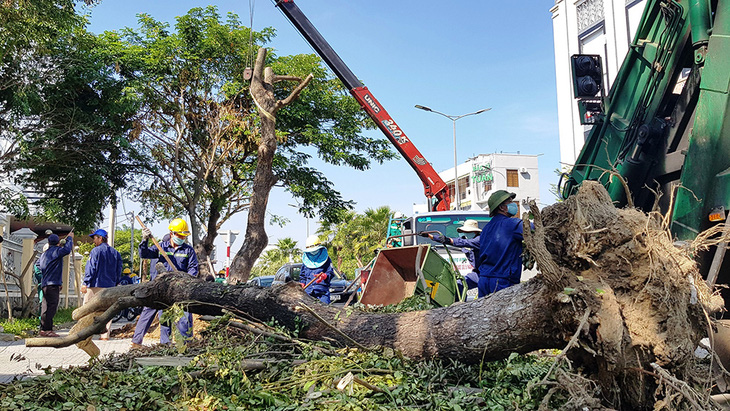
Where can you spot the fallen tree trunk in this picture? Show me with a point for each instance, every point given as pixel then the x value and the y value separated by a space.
pixel 468 332
pixel 614 285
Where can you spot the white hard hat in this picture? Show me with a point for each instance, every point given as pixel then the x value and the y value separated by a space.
pixel 470 226
pixel 313 243
pixel 398 214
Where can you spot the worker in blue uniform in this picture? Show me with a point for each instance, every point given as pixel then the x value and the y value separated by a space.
pixel 317 271
pixel 184 259
pixel 500 250
pixel 469 243
pixel 103 270
pixel 51 266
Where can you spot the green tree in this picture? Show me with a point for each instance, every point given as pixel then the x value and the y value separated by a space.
pixel 123 244
pixel 195 127
pixel 64 112
pixel 200 131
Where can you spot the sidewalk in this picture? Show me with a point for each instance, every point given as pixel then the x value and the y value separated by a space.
pixel 27 362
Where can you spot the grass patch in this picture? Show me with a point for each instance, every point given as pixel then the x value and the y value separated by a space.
pixel 24 327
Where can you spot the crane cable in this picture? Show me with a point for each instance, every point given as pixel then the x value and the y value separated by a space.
pixel 250 59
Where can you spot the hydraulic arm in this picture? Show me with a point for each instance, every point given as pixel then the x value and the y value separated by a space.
pixel 665 118
pixel 434 187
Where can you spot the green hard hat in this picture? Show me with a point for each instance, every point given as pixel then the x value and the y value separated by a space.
pixel 497 198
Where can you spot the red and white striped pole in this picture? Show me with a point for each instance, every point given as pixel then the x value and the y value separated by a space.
pixel 228 261
pixel 229 237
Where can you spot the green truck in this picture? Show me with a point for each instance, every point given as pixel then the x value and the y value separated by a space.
pixel 664 125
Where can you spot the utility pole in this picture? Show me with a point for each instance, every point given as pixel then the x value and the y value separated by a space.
pixel 112 224
pixel 131 246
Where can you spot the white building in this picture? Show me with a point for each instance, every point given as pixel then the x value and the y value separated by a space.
pixel 484 174
pixel 603 27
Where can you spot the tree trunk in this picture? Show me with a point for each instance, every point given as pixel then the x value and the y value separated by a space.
pixel 468 332
pixel 256 238
pixel 262 91
pixel 626 305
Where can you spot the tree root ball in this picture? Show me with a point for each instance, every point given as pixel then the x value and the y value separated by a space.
pixel 647 300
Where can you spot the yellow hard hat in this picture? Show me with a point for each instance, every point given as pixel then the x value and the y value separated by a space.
pixel 179 226
pixel 126 271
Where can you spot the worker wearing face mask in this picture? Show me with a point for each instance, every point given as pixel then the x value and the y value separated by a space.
pixel 499 260
pixel 184 259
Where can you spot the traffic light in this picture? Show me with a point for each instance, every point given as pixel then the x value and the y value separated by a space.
pixel 587 75
pixel 588 86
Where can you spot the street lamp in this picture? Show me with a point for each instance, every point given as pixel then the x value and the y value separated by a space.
pixel 453 119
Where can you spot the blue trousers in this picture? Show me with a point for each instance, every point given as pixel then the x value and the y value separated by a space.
pixel 489 285
pixel 184 325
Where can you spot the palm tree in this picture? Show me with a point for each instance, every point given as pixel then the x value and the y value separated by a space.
pixel 339 237
pixel 353 242
pixel 288 249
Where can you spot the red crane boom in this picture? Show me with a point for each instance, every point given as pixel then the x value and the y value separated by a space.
pixel 434 187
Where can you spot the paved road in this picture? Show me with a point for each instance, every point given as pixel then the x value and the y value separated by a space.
pixel 27 362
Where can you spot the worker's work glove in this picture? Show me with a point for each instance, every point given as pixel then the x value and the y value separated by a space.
pixel 62 242
pixel 146 234
pixel 423 234
pixel 320 277
pixel 437 237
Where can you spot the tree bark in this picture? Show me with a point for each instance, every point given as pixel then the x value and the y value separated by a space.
pixel 262 91
pixel 519 319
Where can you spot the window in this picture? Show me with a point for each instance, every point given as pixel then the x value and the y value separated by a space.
pixel 463 185
pixel 513 178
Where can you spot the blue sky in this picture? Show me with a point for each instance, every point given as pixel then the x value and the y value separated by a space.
pixel 455 57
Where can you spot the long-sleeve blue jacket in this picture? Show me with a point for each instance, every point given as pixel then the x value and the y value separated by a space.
pixel 183 257
pixel 307 274
pixel 468 246
pixel 500 249
pixel 104 268
pixel 51 264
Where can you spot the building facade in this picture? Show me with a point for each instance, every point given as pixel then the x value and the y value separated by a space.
pixel 602 27
pixel 484 174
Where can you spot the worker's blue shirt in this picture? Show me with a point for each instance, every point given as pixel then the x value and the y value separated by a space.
pixel 104 268
pixel 500 249
pixel 51 264
pixel 307 274
pixel 183 257
pixel 468 246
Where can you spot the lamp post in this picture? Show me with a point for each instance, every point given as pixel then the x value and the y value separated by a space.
pixel 453 120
